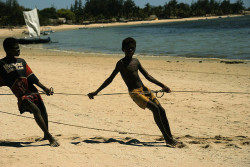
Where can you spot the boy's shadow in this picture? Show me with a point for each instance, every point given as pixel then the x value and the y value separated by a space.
pixel 19 144
pixel 130 142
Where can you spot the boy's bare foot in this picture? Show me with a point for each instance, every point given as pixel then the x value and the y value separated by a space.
pixel 176 144
pixel 172 143
pixel 54 143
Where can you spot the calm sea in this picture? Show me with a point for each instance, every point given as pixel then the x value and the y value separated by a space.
pixel 227 38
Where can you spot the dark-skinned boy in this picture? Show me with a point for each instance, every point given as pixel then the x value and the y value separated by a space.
pixel 128 68
pixel 17 75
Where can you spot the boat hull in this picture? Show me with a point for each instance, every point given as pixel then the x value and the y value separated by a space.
pixel 33 40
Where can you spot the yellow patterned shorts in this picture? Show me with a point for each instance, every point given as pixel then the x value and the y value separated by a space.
pixel 142 99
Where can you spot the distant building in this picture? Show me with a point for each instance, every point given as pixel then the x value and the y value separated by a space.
pixel 53 21
pixel 69 21
pixel 123 20
pixel 153 17
pixel 113 20
pixel 61 20
pixel 246 12
pixel 86 22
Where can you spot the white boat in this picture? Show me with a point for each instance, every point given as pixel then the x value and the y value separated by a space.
pixel 33 25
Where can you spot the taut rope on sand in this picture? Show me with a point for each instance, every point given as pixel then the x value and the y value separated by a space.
pixel 145 92
pixel 187 91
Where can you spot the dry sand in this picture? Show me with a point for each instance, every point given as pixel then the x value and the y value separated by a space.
pixel 113 131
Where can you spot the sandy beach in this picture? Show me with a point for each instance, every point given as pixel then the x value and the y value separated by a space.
pixel 213 121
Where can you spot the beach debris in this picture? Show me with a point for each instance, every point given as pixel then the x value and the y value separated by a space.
pixel 206 146
pixel 246 143
pixel 232 146
pixel 233 62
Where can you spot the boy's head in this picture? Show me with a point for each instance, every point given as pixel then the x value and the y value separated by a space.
pixel 129 46
pixel 11 47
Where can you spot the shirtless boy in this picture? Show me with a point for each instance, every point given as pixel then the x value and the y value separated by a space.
pixel 17 75
pixel 128 68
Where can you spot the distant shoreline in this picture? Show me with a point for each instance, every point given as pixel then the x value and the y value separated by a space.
pixel 17 32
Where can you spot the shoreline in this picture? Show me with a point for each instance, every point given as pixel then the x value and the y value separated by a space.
pixel 17 32
pixel 98 54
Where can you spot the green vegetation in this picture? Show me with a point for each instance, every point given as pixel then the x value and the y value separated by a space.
pixel 118 10
pixel 11 13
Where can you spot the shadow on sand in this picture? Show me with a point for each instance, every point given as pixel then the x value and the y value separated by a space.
pixel 126 141
pixel 19 144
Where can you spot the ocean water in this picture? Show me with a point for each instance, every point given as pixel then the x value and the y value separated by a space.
pixel 226 38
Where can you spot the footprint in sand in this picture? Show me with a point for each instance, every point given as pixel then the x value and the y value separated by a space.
pixel 232 146
pixel 246 143
pixel 206 146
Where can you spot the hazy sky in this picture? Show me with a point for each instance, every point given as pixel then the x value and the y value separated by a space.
pixel 41 4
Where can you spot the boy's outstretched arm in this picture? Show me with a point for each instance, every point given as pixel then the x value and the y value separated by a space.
pixel 45 89
pixel 152 79
pixel 105 83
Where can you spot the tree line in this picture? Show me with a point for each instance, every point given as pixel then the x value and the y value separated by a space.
pixel 118 10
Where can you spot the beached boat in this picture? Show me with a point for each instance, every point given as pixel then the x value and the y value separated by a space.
pixel 32 22
pixel 34 40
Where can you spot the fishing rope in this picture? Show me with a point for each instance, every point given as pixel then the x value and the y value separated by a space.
pixel 187 91
pixel 144 92
pixel 80 94
pixel 157 91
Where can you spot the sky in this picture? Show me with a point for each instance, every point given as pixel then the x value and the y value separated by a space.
pixel 58 4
